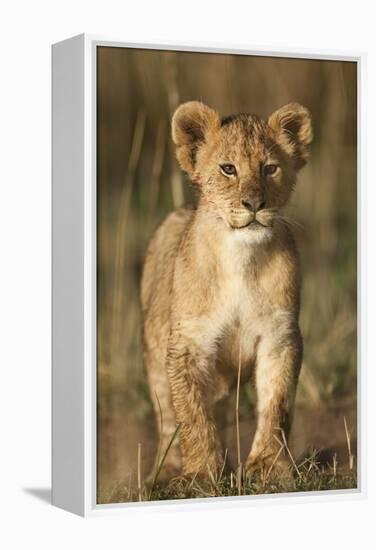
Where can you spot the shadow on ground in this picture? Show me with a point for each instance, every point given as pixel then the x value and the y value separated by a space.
pixel 41 493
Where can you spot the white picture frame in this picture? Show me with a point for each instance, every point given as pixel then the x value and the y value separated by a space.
pixel 74 278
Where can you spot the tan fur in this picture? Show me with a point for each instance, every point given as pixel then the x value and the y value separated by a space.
pixel 224 277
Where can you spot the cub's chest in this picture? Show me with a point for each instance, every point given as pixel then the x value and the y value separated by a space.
pixel 241 319
pixel 240 290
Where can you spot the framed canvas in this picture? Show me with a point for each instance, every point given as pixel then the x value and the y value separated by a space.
pixel 208 275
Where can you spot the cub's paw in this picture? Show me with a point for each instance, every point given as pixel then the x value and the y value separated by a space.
pixel 211 469
pixel 268 465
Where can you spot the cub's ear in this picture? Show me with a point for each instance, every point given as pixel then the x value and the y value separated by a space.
pixel 192 124
pixel 293 125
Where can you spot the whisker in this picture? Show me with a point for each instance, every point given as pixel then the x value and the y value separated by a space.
pixel 272 210
pixel 289 222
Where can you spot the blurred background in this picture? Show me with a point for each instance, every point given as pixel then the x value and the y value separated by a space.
pixel 139 182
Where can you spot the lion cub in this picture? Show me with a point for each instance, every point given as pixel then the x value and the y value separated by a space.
pixel 221 284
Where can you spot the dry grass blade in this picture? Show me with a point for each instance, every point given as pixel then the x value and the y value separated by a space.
pixel 139 486
pixel 311 460
pixel 156 170
pixel 273 463
pixel 223 465
pixel 160 432
pixel 284 443
pixel 239 469
pixel 163 459
pixel 212 480
pixel 351 456
pixel 173 97
pixel 192 482
pixel 335 464
pixel 121 230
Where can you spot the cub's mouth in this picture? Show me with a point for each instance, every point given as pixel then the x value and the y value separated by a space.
pixel 263 220
pixel 245 220
pixel 253 225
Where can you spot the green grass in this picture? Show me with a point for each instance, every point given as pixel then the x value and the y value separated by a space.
pixel 312 477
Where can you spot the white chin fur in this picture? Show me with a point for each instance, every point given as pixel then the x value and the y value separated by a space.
pixel 249 235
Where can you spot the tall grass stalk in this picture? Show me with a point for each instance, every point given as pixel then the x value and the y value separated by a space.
pixel 121 231
pixel 139 480
pixel 173 102
pixel 348 440
pixel 239 469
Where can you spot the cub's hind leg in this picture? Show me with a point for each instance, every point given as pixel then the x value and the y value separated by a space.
pixel 160 394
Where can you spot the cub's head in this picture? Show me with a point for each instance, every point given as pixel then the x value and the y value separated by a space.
pixel 245 167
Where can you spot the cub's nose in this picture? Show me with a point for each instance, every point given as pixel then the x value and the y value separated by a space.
pixel 254 204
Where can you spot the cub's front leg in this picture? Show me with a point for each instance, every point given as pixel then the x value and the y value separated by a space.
pixel 190 372
pixel 277 372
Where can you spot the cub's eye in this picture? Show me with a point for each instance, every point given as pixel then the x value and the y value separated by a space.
pixel 270 169
pixel 228 169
